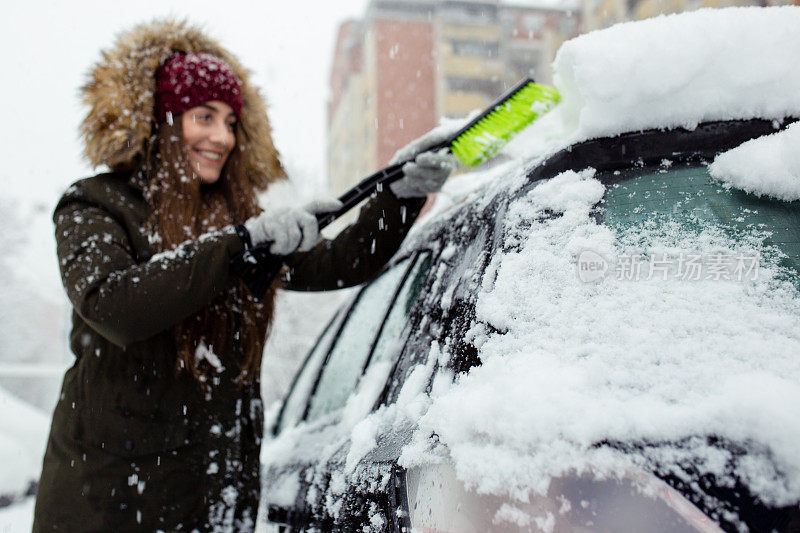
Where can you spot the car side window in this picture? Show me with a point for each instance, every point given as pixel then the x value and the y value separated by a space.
pixel 295 404
pixel 398 314
pixel 352 347
pixel 690 196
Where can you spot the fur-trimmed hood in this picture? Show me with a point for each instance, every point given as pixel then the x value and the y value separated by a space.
pixel 120 92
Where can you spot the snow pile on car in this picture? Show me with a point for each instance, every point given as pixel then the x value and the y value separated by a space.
pixel 681 70
pixel 600 377
pixel 767 166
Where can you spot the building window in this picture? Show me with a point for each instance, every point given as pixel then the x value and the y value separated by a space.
pixel 463 12
pixel 567 26
pixel 533 23
pixel 490 87
pixel 476 48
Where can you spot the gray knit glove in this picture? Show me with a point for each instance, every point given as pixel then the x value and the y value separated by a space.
pixel 290 229
pixel 428 171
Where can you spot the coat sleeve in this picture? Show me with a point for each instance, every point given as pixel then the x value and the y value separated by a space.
pixel 127 301
pixel 359 252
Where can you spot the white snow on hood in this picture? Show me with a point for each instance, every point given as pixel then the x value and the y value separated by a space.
pixel 767 166
pixel 681 70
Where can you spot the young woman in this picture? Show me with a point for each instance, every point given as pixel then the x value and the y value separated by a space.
pixel 160 419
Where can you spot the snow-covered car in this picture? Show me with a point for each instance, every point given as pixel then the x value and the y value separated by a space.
pixel 603 336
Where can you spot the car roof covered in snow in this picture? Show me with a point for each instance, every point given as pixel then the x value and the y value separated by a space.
pixel 681 70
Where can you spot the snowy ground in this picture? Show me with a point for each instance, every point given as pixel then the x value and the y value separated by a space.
pixel 17 518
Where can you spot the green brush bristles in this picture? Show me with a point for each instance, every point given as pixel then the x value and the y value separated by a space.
pixel 509 117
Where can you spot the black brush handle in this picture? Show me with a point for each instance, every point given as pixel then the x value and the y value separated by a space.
pixel 258 268
pixel 366 187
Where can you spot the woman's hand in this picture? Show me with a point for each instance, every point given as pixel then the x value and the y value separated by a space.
pixel 288 230
pixel 428 171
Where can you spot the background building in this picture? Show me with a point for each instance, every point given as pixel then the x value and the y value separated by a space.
pixel 598 14
pixel 409 62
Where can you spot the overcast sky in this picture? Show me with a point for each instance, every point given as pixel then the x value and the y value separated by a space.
pixel 49 45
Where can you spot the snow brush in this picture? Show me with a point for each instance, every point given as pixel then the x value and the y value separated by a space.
pixel 479 140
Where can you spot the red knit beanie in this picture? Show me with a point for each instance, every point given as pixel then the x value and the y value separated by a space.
pixel 185 81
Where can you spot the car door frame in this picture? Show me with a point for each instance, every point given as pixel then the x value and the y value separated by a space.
pixel 301 516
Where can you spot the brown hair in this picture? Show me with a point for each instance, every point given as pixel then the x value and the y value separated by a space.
pixel 184 209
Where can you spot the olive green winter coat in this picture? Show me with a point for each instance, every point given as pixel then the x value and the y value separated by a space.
pixel 134 446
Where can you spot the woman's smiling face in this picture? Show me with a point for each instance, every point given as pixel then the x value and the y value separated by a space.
pixel 208 135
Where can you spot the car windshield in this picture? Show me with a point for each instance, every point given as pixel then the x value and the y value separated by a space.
pixel 638 312
pixel 687 197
